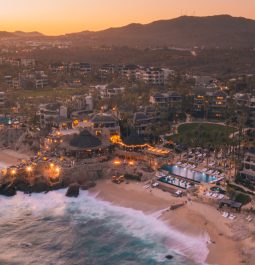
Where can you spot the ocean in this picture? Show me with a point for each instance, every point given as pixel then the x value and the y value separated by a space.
pixel 51 229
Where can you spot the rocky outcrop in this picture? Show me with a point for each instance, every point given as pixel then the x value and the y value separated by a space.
pixel 169 257
pixel 73 190
pixel 7 190
pixel 88 185
pixel 82 176
pixel 40 186
pixel 21 184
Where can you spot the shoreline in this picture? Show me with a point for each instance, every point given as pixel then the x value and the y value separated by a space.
pixel 219 240
pixel 194 218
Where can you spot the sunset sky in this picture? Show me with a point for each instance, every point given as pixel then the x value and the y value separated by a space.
pixel 62 16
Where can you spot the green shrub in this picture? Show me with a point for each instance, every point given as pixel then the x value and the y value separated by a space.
pixel 238 196
pixel 133 177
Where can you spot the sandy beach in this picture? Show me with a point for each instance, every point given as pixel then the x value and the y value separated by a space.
pixel 193 218
pixel 9 157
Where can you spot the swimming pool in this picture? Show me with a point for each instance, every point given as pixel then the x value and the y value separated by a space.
pixel 188 173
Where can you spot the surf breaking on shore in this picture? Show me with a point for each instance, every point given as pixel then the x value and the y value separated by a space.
pixel 158 238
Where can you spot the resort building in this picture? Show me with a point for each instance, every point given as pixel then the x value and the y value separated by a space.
pixel 50 114
pixel 246 101
pixel 105 125
pixel 109 91
pixel 27 62
pixel 151 75
pixel 217 104
pixel 107 69
pixel 171 101
pixel 81 102
pixel 142 123
pixel 85 68
pixel 210 105
pixel 129 71
pixel 8 80
pixel 2 99
pixel 205 83
pixel 199 105
pixel 58 67
pixel 16 83
pixel 153 112
pixel 80 106
pixel 247 174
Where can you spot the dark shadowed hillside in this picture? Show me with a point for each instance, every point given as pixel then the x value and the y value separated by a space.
pixel 221 31
pixel 215 31
pixel 5 34
pixel 27 34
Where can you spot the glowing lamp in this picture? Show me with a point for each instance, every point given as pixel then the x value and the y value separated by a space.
pixel 29 169
pixel 116 162
pixel 13 171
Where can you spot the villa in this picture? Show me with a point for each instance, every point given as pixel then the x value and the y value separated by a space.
pixel 247 174
pixel 105 125
pixel 2 99
pixel 246 101
pixel 210 104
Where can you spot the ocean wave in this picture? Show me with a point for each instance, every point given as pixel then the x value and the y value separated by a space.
pixel 106 220
pixel 4 165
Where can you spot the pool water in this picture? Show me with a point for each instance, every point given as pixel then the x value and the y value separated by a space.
pixel 188 173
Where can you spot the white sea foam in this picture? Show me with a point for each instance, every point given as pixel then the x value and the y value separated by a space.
pixel 87 207
pixel 4 165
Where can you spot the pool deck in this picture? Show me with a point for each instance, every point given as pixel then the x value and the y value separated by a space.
pixel 182 178
pixel 194 170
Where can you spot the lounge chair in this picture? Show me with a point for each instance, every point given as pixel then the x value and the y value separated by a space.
pixel 225 214
pixel 249 218
pixel 231 217
pixel 221 196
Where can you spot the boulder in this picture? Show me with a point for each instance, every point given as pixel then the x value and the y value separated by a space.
pixel 169 257
pixel 73 190
pixel 88 185
pixel 22 185
pixel 40 186
pixel 67 181
pixel 58 186
pixel 7 190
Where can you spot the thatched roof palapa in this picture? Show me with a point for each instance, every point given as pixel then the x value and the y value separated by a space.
pixel 84 140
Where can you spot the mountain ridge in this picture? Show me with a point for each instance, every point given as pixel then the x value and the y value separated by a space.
pixel 218 31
